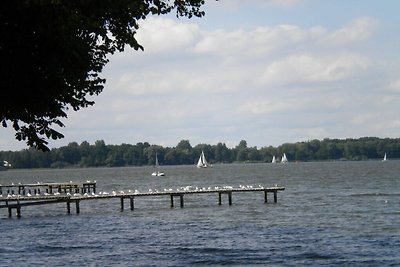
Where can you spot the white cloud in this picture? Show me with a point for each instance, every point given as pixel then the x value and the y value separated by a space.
pixel 394 85
pixel 314 68
pixel 160 35
pixel 358 30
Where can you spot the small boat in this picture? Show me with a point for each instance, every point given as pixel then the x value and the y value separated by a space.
pixel 6 165
pixel 202 163
pixel 273 159
pixel 384 158
pixel 157 172
pixel 284 159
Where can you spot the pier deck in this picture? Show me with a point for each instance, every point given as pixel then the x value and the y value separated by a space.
pixel 12 201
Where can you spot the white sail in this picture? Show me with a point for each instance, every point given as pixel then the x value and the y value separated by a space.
pixel 384 158
pixel 273 159
pixel 157 172
pixel 202 163
pixel 284 159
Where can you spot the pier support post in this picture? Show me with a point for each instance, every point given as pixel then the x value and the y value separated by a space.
pixel 77 207
pixel 132 203
pixel 122 204
pixel 180 197
pixel 9 212
pixel 68 207
pixel 229 193
pixel 18 211
pixel 265 196
pixel 275 196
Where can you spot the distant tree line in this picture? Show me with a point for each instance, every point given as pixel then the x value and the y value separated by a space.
pixel 100 154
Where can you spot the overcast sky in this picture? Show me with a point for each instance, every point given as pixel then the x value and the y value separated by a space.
pixel 268 72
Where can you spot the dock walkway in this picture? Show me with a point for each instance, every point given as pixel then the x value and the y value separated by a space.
pixel 72 194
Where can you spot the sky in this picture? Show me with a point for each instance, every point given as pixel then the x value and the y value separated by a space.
pixel 265 71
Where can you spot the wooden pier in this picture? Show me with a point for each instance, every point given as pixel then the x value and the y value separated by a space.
pixel 72 194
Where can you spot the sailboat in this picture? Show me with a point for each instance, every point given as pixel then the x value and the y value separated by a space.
pixel 284 159
pixel 273 159
pixel 202 163
pixel 157 172
pixel 384 158
pixel 6 165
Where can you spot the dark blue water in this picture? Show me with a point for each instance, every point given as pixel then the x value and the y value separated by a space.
pixel 331 214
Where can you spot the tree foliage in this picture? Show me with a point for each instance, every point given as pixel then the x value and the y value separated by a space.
pixel 53 51
pixel 100 154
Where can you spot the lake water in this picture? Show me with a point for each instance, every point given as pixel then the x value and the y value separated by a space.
pixel 331 213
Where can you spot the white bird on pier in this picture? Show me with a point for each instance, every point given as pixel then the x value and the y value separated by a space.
pixel 29 195
pixel 114 193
